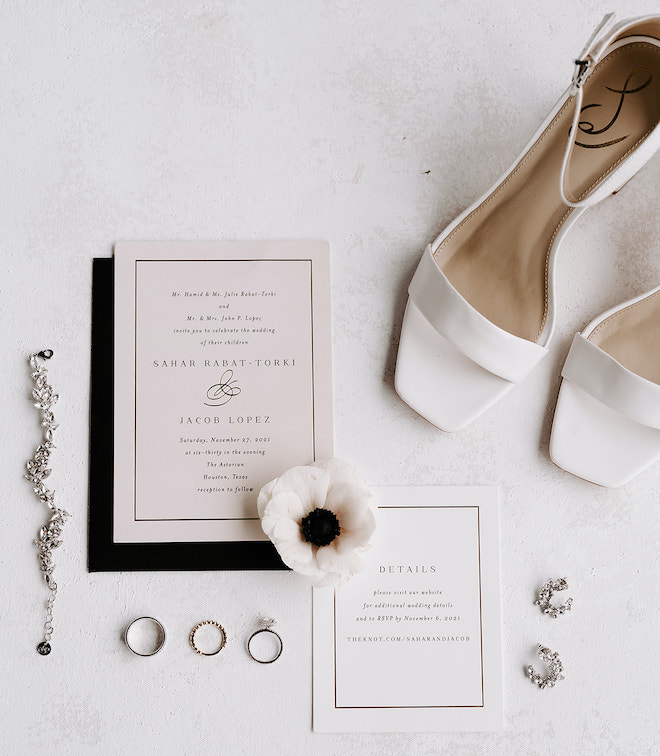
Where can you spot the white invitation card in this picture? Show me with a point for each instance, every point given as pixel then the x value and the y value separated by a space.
pixel 223 380
pixel 413 643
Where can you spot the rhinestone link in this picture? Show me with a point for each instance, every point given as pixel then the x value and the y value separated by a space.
pixel 555 669
pixel 547 592
pixel 37 468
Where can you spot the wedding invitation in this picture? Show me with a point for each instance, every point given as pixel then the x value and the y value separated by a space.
pixel 222 380
pixel 413 643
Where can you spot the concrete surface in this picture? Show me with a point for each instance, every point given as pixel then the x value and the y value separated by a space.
pixel 369 124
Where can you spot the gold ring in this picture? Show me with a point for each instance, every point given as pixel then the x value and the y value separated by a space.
pixel 191 638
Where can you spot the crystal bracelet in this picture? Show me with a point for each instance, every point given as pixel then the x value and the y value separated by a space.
pixel 37 471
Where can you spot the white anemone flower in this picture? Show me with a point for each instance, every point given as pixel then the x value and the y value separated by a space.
pixel 320 519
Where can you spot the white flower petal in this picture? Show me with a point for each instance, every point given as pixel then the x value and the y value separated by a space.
pixel 309 483
pixel 285 529
pixel 331 580
pixel 360 536
pixel 349 503
pixel 330 560
pixel 341 472
pixel 310 570
pixel 285 504
pixel 283 507
pixel 264 496
pixel 297 554
pixel 268 524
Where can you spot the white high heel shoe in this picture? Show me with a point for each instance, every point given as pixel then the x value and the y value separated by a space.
pixel 607 420
pixel 480 312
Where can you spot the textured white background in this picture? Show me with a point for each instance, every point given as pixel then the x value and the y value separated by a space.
pixel 370 124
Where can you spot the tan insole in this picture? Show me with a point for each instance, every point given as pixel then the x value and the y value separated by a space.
pixel 632 337
pixel 498 257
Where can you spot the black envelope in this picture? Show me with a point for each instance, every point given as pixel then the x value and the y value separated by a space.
pixel 104 554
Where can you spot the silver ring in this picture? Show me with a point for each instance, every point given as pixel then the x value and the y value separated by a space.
pixel 145 623
pixel 191 638
pixel 267 629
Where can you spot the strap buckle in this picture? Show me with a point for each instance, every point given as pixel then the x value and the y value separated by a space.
pixel 582 69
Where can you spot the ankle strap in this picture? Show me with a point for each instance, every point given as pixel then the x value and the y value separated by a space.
pixel 603 36
pixel 592 51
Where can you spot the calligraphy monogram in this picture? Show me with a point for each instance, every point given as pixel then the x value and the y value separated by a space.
pixel 587 127
pixel 221 393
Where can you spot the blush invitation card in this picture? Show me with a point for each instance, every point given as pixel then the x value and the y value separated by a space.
pixel 413 643
pixel 222 381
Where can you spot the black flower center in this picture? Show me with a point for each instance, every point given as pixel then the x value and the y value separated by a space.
pixel 320 527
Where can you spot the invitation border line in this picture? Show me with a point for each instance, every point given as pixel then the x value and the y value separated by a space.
pixel 135 361
pixel 481 632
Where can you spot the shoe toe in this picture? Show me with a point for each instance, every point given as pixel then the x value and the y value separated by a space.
pixel 437 380
pixel 594 442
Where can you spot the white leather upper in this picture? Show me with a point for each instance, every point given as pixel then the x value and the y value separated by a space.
pixel 498 351
pixel 491 347
pixel 607 380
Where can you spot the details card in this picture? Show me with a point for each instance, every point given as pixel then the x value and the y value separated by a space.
pixel 223 380
pixel 413 643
